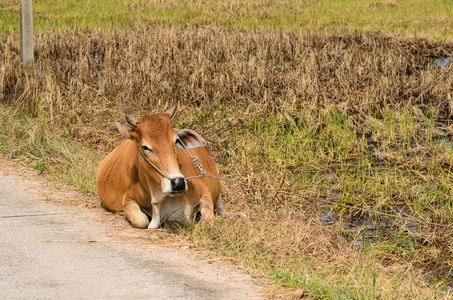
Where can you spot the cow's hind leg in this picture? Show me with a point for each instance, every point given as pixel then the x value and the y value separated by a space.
pixel 220 211
pixel 135 215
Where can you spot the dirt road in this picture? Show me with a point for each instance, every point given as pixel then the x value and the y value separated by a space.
pixel 57 244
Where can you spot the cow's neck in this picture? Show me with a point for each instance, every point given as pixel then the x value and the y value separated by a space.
pixel 149 186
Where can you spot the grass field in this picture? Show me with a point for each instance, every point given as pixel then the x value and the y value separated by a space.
pixel 415 18
pixel 338 108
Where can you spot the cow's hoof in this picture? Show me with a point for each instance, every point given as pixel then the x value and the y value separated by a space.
pixel 154 225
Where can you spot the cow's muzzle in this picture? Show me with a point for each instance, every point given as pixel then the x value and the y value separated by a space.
pixel 178 186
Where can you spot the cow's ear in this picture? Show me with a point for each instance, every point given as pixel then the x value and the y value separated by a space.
pixel 190 138
pixel 124 130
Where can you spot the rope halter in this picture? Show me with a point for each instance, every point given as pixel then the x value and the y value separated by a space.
pixel 194 159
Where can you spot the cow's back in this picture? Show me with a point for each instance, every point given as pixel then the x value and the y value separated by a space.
pixel 115 174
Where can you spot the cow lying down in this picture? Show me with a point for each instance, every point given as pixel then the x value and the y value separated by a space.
pixel 127 180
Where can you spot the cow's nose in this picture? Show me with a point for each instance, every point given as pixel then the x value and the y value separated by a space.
pixel 178 184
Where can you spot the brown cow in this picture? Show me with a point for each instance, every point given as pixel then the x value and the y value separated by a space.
pixel 128 182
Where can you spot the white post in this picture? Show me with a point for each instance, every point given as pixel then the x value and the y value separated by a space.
pixel 26 36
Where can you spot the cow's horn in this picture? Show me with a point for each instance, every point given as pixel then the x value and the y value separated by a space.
pixel 171 111
pixel 131 121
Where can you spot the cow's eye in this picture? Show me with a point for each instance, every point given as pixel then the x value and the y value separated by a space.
pixel 146 148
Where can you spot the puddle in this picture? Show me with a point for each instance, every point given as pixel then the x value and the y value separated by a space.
pixel 447 143
pixel 365 230
pixel 443 62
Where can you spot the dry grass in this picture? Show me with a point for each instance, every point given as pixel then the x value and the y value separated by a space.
pixel 355 118
pixel 360 75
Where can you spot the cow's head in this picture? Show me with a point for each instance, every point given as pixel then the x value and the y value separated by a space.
pixel 158 141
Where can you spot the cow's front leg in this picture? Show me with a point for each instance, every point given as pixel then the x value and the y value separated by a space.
pixel 155 220
pixel 134 214
pixel 207 209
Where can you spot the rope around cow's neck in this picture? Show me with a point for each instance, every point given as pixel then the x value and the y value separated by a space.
pixel 195 161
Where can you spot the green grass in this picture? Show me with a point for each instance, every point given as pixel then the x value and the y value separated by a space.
pixel 427 19
pixel 335 158
pixel 49 150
